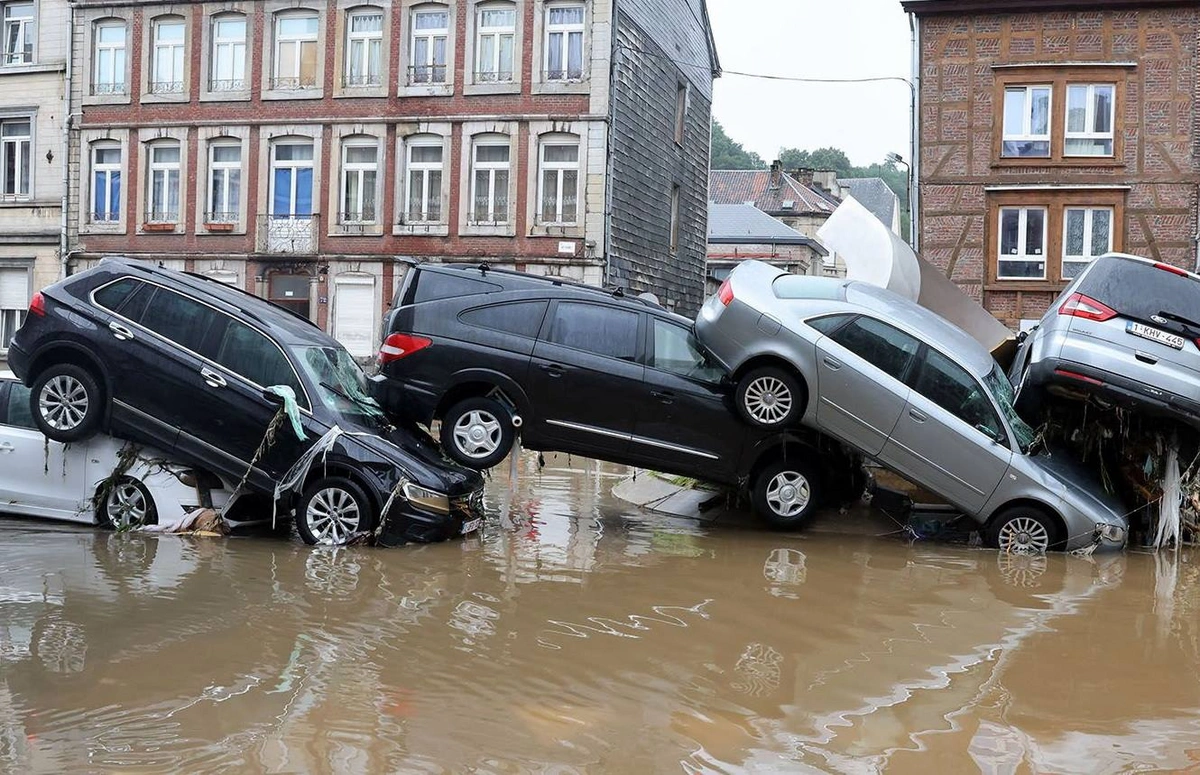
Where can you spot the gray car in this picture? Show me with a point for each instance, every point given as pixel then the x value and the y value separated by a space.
pixel 1126 331
pixel 905 387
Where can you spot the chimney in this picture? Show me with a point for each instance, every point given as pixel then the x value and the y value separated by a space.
pixel 826 179
pixel 776 174
pixel 804 175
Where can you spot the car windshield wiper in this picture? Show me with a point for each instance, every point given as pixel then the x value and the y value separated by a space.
pixel 1180 319
pixel 371 407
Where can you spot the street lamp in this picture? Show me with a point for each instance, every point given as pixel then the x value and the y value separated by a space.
pixel 895 158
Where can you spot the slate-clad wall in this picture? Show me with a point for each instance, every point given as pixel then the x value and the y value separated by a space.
pixel 660 44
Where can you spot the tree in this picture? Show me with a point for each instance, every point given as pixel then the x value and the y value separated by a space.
pixel 728 155
pixel 820 159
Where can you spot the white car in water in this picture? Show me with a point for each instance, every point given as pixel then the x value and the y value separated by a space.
pixel 76 483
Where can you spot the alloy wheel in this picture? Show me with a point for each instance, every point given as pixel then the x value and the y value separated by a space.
pixel 1024 535
pixel 478 434
pixel 332 515
pixel 127 506
pixel 63 402
pixel 768 400
pixel 788 493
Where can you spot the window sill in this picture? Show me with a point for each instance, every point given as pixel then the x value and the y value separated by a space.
pixel 314 93
pixel 1038 286
pixel 221 229
pixel 360 92
pixel 552 230
pixel 357 230
pixel 583 86
pixel 106 99
pixel 102 228
pixel 492 88
pixel 159 228
pixel 175 98
pixel 488 230
pixel 421 229
pixel 33 67
pixel 225 96
pixel 1071 161
pixel 426 90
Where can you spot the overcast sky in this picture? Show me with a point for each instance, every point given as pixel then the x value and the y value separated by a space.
pixel 817 39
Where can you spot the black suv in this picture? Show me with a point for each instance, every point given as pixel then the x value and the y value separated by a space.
pixel 581 370
pixel 183 363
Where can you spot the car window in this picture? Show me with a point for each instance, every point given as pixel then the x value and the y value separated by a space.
pixel 675 350
pixel 522 318
pixel 113 295
pixel 249 354
pixel 879 344
pixel 178 318
pixel 829 323
pixel 593 328
pixel 431 286
pixel 1139 290
pixel 17 413
pixel 949 386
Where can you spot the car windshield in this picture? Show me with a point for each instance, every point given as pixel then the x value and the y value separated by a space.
pixel 1002 391
pixel 341 384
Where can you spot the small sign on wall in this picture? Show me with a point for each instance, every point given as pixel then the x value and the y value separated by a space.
pixel 566 248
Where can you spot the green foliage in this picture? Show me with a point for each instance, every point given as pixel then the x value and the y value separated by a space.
pixel 728 155
pixel 820 159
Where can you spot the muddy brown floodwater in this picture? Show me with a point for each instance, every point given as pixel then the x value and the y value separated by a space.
pixel 579 635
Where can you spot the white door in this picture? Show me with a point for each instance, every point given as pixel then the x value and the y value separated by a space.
pixel 38 477
pixel 354 315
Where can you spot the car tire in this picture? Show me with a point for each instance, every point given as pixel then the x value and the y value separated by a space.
pixel 1024 530
pixel 786 493
pixel 126 504
pixel 770 397
pixel 67 403
pixel 478 432
pixel 332 510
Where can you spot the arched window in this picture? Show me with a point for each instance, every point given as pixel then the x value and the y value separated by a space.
pixel 228 58
pixel 108 57
pixel 364 47
pixel 491 166
pixel 558 164
pixel 424 159
pixel 106 182
pixel 296 50
pixel 495 43
pixel 162 184
pixel 564 41
pixel 224 181
pixel 166 69
pixel 430 25
pixel 360 175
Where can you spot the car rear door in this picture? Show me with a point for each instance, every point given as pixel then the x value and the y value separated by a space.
pixel 37 476
pixel 585 377
pixel 861 367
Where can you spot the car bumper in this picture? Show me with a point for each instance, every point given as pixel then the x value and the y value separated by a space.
pixel 405 523
pixel 18 360
pixel 403 400
pixel 1080 377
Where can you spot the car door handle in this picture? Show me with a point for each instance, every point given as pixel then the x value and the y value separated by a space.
pixel 6 447
pixel 120 331
pixel 831 363
pixel 918 416
pixel 553 369
pixel 666 396
pixel 212 378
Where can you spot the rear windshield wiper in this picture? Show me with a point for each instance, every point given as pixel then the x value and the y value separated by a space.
pixel 1180 319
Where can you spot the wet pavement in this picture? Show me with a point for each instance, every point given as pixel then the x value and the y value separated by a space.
pixel 579 635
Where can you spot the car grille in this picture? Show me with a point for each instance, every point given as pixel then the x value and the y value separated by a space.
pixel 468 506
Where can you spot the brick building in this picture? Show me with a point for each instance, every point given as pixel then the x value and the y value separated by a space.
pixel 307 150
pixel 1051 132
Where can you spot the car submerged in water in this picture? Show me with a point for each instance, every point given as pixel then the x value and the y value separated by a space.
pixel 198 369
pixel 907 388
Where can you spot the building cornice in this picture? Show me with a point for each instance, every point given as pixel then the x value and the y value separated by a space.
pixel 965 7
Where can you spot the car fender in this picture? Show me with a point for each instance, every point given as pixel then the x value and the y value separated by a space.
pixel 75 343
pixel 509 386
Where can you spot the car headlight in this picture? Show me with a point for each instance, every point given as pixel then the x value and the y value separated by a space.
pixel 426 498
pixel 1113 533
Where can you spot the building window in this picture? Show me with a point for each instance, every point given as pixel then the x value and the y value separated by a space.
pixel 162 204
pixel 430 33
pixel 1087 234
pixel 106 183
pixel 15 139
pixel 559 160
pixel 228 54
pixel 489 181
pixel 14 299
pixel 360 170
pixel 224 183
pixel 674 218
pixel 496 27
pixel 681 103
pixel 291 180
pixel 108 76
pixel 20 26
pixel 295 51
pixel 423 195
pixel 1022 243
pixel 564 42
pixel 167 73
pixel 1026 122
pixel 364 42
pixel 1090 109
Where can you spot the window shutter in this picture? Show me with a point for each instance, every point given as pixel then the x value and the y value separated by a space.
pixel 14 289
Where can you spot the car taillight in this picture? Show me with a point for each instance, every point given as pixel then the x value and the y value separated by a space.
pixel 1171 269
pixel 1080 306
pixel 725 293
pixel 398 346
pixel 37 305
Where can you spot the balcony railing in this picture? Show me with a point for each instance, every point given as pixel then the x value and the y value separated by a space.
pixel 494 76
pixel 106 88
pixel 421 75
pixel 227 84
pixel 570 75
pixel 362 81
pixel 221 220
pixel 294 82
pixel 166 87
pixel 287 233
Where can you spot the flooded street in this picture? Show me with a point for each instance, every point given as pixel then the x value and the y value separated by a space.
pixel 580 635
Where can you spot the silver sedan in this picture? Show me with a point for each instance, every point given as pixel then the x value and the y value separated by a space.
pixel 907 388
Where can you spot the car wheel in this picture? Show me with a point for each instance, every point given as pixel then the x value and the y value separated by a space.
pixel 127 504
pixel 787 493
pixel 1023 530
pixel 477 432
pixel 333 509
pixel 66 402
pixel 769 397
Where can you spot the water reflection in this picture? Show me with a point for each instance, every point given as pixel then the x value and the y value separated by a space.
pixel 578 635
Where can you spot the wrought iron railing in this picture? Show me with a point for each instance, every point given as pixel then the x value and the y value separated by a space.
pixel 494 76
pixel 360 218
pixel 227 84
pixel 294 82
pixel 105 88
pixel 361 81
pixel 221 216
pixel 570 75
pixel 420 75
pixel 162 216
pixel 287 233
pixel 166 87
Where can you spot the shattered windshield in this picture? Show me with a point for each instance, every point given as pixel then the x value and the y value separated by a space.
pixel 341 384
pixel 1002 390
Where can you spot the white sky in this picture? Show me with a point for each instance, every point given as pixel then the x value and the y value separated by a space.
pixel 814 39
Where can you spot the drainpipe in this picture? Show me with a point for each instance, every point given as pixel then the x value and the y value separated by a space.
pixel 63 256
pixel 914 188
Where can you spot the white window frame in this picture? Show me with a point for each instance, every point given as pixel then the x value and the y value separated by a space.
pixel 14 314
pixel 559 72
pixel 25 42
pixel 366 41
pixel 491 167
pixel 1089 122
pixel 168 57
pixel 494 74
pixel 1022 241
pixel 228 55
pixel 118 59
pixel 1026 134
pixel 428 193
pixel 1089 248
pixel 430 37
pixel 159 183
pixel 359 170
pixel 560 169
pixel 23 154
pixel 294 80
pixel 107 168
pixel 274 163
pixel 230 212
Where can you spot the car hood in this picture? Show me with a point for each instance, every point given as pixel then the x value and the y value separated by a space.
pixel 418 457
pixel 1083 483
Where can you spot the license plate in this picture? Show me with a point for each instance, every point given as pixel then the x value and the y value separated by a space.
pixel 471 525
pixel 1155 335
